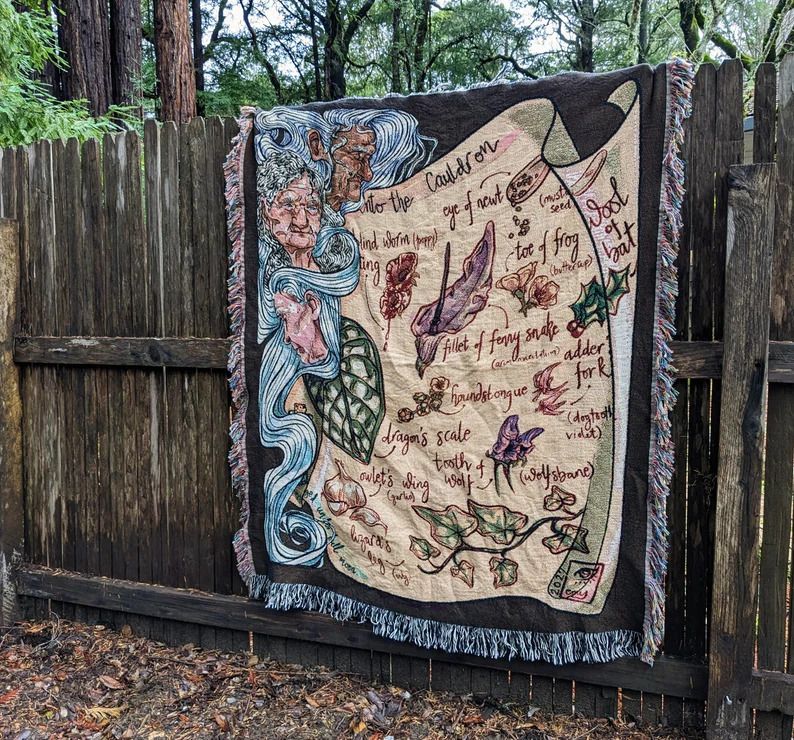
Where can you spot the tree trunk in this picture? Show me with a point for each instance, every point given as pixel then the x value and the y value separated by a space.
pixel 642 35
pixel 584 37
pixel 125 49
pixel 318 77
pixel 85 37
pixel 687 10
pixel 198 52
pixel 333 58
pixel 175 79
pixel 422 26
pixel 396 11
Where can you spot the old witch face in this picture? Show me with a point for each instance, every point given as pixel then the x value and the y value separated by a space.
pixel 294 215
pixel 301 325
pixel 351 151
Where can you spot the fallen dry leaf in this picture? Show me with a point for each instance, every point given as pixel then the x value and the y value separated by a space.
pixel 9 696
pixel 222 722
pixel 111 683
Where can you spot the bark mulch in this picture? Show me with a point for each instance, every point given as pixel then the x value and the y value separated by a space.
pixel 63 680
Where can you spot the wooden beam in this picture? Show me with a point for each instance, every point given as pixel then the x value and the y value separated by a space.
pixel 190 352
pixel 669 676
pixel 771 691
pixel 691 359
pixel 741 448
pixel 12 507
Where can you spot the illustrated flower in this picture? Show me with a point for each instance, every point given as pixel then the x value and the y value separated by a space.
pixel 420 397
pixel 439 384
pixel 423 408
pixel 511 447
pixel 546 393
pixel 542 292
pixel 342 492
pixel 531 290
pixel 516 282
pixel 401 277
pixel 393 303
pixel 435 403
pixel 405 415
pixel 401 272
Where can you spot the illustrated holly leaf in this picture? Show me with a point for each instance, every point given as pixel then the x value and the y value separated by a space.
pixel 591 305
pixel 568 537
pixel 351 405
pixel 558 499
pixel 423 549
pixel 497 522
pixel 505 571
pixel 464 570
pixel 448 527
pixel 617 287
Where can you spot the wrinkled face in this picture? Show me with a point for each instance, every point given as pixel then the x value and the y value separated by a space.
pixel 294 215
pixel 302 326
pixel 352 151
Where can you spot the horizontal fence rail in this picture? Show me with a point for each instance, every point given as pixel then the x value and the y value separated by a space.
pixel 701 360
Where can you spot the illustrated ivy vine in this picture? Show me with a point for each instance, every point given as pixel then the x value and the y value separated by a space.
pixel 495 530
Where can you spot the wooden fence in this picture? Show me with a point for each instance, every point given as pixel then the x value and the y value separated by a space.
pixel 114 335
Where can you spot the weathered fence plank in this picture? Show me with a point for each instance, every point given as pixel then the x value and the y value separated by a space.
pixel 12 499
pixel 747 297
pixel 773 577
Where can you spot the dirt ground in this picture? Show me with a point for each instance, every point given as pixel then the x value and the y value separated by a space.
pixel 64 680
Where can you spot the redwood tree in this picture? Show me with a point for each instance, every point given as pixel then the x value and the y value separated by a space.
pixel 84 35
pixel 176 81
pixel 125 50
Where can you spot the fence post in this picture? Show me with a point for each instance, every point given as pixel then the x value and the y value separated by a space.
pixel 11 494
pixel 744 388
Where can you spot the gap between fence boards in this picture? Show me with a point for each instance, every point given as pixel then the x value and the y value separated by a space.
pixel 696 359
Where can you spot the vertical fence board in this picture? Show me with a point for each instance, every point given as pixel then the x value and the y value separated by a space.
pixel 773 581
pixel 12 501
pixel 732 624
pixel 701 465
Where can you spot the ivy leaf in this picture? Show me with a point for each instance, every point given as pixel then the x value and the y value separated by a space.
pixel 351 405
pixel 558 499
pixel 448 527
pixel 497 522
pixel 617 287
pixel 464 570
pixel 505 571
pixel 568 537
pixel 423 549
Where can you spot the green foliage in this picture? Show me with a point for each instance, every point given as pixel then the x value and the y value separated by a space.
pixel 27 109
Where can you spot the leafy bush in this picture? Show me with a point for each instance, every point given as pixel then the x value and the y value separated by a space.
pixel 28 111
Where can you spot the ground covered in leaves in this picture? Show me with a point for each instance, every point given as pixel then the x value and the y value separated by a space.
pixel 61 679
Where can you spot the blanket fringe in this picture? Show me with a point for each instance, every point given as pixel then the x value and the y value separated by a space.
pixel 680 78
pixel 235 215
pixel 551 647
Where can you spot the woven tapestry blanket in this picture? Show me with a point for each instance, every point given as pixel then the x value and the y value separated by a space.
pixel 450 363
